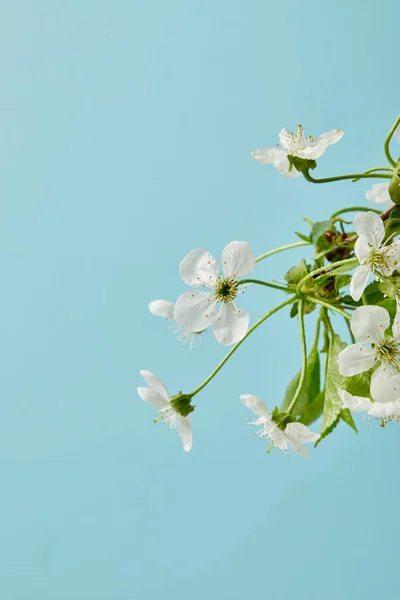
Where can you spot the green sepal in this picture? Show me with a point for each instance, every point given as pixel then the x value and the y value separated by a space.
pixel 181 403
pixel 301 164
pixel 302 236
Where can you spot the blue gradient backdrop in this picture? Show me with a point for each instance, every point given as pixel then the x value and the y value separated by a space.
pixel 126 129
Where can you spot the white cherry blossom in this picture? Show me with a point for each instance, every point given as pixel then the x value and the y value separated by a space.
pixel 296 145
pixel 383 411
pixel 369 324
pixel 165 309
pixel 293 436
pixel 379 194
pixel 195 310
pixel 156 395
pixel 372 254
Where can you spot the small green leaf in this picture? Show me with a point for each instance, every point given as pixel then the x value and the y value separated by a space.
pixel 334 382
pixel 296 273
pixel 294 310
pixel 390 306
pixel 359 385
pixel 389 288
pixel 342 281
pixel 302 236
pixel 313 410
pixel 311 385
pixel 308 221
pixel 318 229
pixel 392 228
pixel 328 430
pixel 345 415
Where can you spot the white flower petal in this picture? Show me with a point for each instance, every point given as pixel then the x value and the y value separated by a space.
pixel 370 226
pixel 369 323
pixel 155 384
pixel 396 324
pixel 362 249
pixel 278 159
pixel 391 255
pixel 185 432
pixel 301 432
pixel 385 410
pixel 278 438
pixel 359 282
pixel 355 359
pixel 255 404
pixel 152 398
pixel 238 260
pixel 379 194
pixel 162 308
pixel 286 139
pixel 297 446
pixel 199 268
pixel 195 310
pixel 355 403
pixel 385 384
pixel 319 146
pixel 231 326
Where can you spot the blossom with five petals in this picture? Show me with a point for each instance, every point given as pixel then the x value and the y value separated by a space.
pixel 368 324
pixel 165 309
pixel 156 395
pixel 293 435
pixel 383 411
pixel 195 310
pixel 372 254
pixel 297 145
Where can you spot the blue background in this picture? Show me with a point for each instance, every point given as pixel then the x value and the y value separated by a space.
pixel 126 129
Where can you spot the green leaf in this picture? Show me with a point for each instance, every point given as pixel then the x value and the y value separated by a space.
pixel 328 430
pixel 302 236
pixel 311 385
pixel 342 281
pixel 359 385
pixel 318 229
pixel 392 227
pixel 308 221
pixel 334 382
pixel 296 273
pixel 390 306
pixel 313 410
pixel 294 310
pixel 345 415
pixel 389 288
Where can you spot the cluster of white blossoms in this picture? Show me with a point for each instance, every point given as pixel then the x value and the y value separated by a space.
pixel 359 377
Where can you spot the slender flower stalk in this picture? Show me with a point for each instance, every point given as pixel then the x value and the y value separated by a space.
pixel 388 139
pixel 281 249
pixel 233 350
pixel 354 177
pixel 303 357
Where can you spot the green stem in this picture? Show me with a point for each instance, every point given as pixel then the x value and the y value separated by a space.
pixel 372 170
pixel 317 331
pixel 342 177
pixel 387 141
pixel 353 339
pixel 329 306
pixel 327 322
pixel 327 269
pixel 303 357
pixel 281 249
pixel 236 346
pixel 354 209
pixel 274 286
